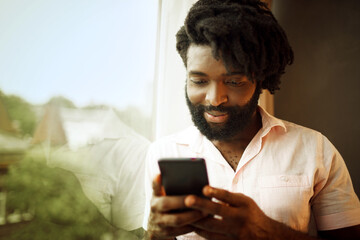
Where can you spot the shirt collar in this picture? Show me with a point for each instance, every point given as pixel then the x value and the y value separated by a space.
pixel 191 137
pixel 269 122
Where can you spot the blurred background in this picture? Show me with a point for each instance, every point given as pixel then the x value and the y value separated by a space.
pixel 321 90
pixel 72 74
pixel 85 86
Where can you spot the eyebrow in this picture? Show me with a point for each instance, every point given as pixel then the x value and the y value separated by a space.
pixel 233 73
pixel 197 73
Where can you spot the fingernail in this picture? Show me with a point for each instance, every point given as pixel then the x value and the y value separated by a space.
pixel 189 201
pixel 162 192
pixel 158 178
pixel 208 190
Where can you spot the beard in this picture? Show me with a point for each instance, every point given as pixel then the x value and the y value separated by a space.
pixel 239 118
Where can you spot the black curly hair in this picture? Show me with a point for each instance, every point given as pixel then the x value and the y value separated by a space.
pixel 244 34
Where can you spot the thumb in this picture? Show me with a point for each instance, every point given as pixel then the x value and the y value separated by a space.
pixel 158 189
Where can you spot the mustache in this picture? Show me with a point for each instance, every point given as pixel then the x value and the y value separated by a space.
pixel 219 108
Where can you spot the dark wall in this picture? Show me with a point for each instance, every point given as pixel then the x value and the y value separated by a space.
pixel 321 90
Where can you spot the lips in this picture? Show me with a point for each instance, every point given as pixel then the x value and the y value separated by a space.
pixel 216 117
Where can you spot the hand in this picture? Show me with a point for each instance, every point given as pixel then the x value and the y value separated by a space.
pixel 238 216
pixel 164 224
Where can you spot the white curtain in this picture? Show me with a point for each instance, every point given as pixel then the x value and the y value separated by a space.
pixel 171 113
pixel 170 107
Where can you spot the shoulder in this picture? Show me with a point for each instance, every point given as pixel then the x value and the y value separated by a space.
pixel 310 137
pixel 280 129
pixel 295 140
pixel 112 156
pixel 294 129
pixel 181 144
pixel 304 135
pixel 184 137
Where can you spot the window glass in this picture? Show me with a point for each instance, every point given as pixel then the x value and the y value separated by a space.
pixel 76 105
pixel 89 52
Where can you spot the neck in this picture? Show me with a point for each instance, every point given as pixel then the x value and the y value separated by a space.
pixel 232 149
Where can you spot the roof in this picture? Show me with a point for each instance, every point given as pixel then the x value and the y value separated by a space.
pixel 11 144
pixel 88 126
pixel 79 127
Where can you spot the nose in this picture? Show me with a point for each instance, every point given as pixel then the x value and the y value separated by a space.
pixel 216 94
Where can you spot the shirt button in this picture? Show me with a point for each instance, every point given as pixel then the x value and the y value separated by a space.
pixel 235 181
pixel 284 178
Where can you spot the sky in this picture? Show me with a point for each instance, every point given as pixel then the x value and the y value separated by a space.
pixel 90 51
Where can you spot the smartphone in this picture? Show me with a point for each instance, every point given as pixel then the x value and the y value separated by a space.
pixel 183 176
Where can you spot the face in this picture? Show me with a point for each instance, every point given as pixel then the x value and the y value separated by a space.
pixel 221 103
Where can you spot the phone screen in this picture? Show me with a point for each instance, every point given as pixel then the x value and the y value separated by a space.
pixel 183 176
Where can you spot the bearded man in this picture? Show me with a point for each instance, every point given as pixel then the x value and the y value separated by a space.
pixel 270 179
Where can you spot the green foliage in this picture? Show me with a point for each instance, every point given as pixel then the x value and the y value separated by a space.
pixel 61 101
pixel 20 111
pixel 54 196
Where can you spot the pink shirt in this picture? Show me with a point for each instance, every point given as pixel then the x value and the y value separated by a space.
pixel 293 173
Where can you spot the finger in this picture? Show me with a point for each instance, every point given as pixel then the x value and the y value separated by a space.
pixel 167 203
pixel 207 206
pixel 234 199
pixel 179 219
pixel 158 189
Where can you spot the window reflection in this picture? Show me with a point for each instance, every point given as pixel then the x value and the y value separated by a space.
pixel 76 100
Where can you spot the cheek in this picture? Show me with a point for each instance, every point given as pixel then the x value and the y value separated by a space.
pixel 242 96
pixel 239 99
pixel 195 95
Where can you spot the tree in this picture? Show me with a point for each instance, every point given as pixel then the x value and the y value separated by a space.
pixel 61 101
pixel 21 112
pixel 54 197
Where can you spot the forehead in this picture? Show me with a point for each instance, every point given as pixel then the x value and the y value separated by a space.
pixel 199 57
pixel 199 51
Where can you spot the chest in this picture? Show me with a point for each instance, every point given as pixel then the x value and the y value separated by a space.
pixel 232 151
pixel 232 156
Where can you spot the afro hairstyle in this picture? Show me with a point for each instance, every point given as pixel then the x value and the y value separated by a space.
pixel 244 34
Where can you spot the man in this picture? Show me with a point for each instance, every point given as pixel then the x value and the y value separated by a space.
pixel 270 179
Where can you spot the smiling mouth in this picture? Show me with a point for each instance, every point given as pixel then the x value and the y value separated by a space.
pixel 216 117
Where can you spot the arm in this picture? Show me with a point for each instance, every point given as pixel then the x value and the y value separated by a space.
pixel 241 218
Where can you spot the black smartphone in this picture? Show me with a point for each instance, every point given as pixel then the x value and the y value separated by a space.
pixel 183 176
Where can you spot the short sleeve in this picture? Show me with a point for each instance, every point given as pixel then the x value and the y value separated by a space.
pixel 129 198
pixel 335 204
pixel 151 170
pixel 98 191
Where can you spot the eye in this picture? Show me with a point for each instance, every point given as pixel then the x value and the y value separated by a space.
pixel 198 81
pixel 235 82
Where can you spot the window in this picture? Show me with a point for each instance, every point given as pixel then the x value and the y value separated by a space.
pixel 75 72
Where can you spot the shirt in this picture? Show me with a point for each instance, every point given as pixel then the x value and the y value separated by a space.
pixel 292 172
pixel 111 174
